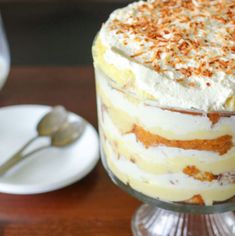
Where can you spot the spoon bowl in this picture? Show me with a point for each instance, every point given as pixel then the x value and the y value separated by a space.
pixel 68 133
pixel 52 121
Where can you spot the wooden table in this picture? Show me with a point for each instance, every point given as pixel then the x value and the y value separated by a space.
pixel 93 206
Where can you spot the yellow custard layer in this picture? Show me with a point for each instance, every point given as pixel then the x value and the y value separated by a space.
pixel 122 76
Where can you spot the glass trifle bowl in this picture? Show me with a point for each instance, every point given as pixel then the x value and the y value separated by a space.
pixel 4 56
pixel 166 109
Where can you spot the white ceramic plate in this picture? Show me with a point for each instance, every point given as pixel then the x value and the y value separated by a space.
pixel 49 169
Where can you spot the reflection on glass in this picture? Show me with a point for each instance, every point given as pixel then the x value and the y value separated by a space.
pixel 4 56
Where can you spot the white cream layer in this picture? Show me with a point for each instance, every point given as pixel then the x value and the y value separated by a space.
pixel 173 125
pixel 162 159
pixel 164 88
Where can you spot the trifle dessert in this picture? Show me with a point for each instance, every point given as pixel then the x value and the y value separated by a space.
pixel 166 98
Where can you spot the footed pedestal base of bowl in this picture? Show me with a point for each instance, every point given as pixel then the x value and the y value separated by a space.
pixel 153 221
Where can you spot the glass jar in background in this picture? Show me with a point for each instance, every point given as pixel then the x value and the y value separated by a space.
pixel 4 55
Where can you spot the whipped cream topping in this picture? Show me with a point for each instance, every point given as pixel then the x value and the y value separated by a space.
pixel 182 52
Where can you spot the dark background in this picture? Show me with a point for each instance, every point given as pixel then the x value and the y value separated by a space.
pixel 54 32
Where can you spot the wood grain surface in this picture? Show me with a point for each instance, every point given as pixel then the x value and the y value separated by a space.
pixel 93 206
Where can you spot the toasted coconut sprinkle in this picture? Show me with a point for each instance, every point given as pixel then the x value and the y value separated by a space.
pixel 177 32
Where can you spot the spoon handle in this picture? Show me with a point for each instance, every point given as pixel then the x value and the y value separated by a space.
pixel 10 163
pixel 18 158
pixel 35 151
pixel 26 145
pixel 21 150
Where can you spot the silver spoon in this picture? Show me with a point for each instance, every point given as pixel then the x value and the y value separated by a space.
pixel 66 135
pixel 47 125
